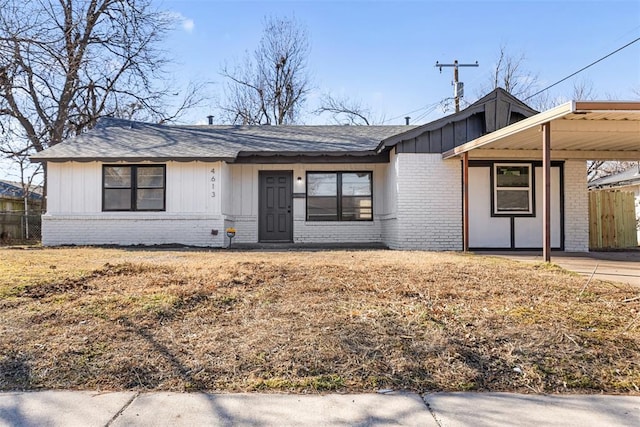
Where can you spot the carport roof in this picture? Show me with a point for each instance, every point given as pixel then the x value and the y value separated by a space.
pixel 591 130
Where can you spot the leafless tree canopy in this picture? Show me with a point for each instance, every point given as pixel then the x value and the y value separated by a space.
pixel 583 90
pixel 270 86
pixel 346 111
pixel 599 169
pixel 511 75
pixel 65 63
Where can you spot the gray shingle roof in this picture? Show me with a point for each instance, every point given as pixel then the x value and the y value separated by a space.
pixel 115 139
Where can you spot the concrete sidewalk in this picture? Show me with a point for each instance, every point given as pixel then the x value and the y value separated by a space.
pixel 77 408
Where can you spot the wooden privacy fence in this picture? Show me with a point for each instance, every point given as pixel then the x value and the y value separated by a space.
pixel 612 220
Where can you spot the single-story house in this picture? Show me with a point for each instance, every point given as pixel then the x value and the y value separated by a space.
pixel 495 175
pixel 628 180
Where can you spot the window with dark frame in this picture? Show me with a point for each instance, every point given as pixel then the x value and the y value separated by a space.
pixel 133 188
pixel 512 189
pixel 339 196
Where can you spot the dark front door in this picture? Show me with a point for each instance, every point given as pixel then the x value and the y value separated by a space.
pixel 276 219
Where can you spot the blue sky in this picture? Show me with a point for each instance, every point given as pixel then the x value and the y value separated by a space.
pixel 383 52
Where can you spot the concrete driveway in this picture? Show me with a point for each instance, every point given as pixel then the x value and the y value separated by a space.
pixel 612 266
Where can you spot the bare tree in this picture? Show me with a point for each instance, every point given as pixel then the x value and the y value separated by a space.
pixel 595 170
pixel 65 63
pixel 270 86
pixel 600 169
pixel 346 111
pixel 510 73
pixel 583 90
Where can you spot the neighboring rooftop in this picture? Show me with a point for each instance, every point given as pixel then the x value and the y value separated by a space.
pixel 629 177
pixel 14 190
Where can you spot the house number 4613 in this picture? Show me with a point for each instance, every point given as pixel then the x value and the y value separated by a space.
pixel 213 183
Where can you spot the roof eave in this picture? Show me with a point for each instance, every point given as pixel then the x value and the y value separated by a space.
pixel 129 159
pixel 605 106
pixel 393 140
pixel 362 153
pixel 537 120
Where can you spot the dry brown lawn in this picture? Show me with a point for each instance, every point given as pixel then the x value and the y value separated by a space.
pixel 118 319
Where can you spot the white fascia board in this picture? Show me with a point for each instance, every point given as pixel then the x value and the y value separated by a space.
pixel 528 123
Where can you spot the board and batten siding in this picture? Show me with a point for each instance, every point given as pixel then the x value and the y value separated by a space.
pixel 494 232
pixel 451 135
pixel 74 209
pixel 242 210
pixel 74 188
pixel 389 217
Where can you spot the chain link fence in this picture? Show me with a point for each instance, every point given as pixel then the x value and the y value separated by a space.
pixel 15 225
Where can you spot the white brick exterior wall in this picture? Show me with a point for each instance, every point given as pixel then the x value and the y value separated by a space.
pixel 128 229
pixel 576 207
pixel 429 203
pixel 331 231
pixel 417 205
pixel 328 232
pixel 246 228
pixel 390 231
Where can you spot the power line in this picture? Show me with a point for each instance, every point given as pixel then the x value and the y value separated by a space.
pixel 427 112
pixel 411 112
pixel 583 68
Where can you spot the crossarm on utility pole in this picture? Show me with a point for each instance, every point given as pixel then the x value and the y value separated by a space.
pixel 456 90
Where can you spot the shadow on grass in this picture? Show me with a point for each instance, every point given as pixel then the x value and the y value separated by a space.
pixel 15 373
pixel 392 357
pixel 143 377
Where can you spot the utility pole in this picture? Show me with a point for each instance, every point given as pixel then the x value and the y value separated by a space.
pixel 458 87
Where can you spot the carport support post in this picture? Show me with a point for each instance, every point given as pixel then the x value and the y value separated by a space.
pixel 546 189
pixel 465 201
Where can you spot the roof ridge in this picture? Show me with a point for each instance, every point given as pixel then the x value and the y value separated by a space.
pixel 497 93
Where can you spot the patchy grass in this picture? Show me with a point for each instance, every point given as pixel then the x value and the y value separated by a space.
pixel 115 319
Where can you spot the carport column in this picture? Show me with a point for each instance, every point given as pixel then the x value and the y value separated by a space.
pixel 465 201
pixel 546 189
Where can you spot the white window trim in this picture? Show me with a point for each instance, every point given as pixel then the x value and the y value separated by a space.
pixel 529 188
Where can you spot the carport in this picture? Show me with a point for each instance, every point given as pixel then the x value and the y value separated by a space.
pixel 577 130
